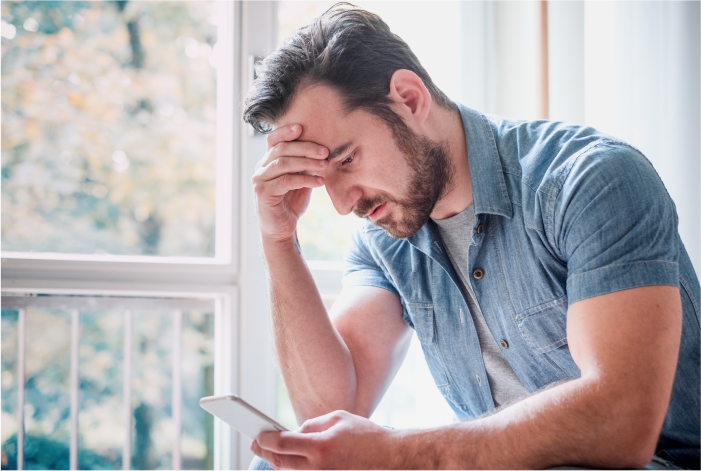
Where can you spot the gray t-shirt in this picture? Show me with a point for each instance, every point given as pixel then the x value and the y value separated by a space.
pixel 456 233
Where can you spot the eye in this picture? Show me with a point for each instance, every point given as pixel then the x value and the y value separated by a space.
pixel 348 160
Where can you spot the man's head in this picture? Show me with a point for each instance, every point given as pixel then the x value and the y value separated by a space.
pixel 340 77
pixel 346 48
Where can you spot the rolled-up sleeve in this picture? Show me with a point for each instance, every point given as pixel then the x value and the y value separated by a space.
pixel 361 268
pixel 615 224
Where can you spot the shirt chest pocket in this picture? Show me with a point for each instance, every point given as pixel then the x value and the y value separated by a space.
pixel 544 327
pixel 423 317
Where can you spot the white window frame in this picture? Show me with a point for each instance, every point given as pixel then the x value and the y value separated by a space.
pixel 233 279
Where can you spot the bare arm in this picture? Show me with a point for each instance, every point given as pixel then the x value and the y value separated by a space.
pixel 325 367
pixel 626 345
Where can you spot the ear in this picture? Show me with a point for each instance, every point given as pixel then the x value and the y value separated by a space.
pixel 412 100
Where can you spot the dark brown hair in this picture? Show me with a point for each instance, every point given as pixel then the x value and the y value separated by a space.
pixel 347 48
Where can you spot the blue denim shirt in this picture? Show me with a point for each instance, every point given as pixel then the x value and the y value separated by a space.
pixel 566 213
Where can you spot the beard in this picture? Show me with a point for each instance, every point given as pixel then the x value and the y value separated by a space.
pixel 431 177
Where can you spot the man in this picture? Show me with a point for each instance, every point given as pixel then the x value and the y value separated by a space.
pixel 539 264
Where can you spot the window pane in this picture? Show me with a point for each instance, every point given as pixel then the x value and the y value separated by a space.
pixel 151 385
pixel 197 442
pixel 9 389
pixel 108 127
pixel 47 400
pixel 101 417
pixel 102 368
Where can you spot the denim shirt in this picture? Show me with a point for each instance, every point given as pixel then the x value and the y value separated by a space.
pixel 563 213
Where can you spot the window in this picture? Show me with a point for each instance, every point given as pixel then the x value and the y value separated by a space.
pixel 109 128
pixel 118 377
pixel 120 257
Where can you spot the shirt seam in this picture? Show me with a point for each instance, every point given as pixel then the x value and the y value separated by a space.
pixel 574 275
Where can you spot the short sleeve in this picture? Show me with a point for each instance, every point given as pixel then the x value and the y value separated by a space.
pixel 615 224
pixel 360 267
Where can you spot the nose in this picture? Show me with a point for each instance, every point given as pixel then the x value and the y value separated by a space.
pixel 343 194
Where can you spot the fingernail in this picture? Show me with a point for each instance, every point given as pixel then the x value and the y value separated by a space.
pixel 319 180
pixel 322 162
pixel 293 128
pixel 321 150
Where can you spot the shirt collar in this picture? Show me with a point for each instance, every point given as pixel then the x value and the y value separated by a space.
pixel 486 173
pixel 489 193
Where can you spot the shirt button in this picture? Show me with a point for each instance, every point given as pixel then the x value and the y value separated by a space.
pixel 478 273
pixel 480 229
pixel 479 381
pixel 504 343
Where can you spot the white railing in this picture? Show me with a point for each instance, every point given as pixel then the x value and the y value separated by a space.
pixel 74 304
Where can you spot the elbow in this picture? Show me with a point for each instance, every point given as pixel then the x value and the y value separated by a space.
pixel 637 439
pixel 637 456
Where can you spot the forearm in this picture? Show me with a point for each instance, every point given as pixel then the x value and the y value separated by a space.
pixel 574 423
pixel 314 361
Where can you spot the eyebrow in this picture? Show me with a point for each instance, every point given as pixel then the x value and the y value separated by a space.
pixel 339 150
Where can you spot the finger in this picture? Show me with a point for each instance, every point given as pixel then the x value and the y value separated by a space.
pixel 322 423
pixel 308 149
pixel 288 443
pixel 284 133
pixel 288 182
pixel 285 165
pixel 280 461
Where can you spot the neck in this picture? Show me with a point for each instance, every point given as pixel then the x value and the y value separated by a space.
pixel 446 126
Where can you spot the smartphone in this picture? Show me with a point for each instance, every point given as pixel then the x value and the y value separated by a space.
pixel 241 415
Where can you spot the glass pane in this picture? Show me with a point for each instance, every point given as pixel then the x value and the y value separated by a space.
pixel 197 442
pixel 47 402
pixel 108 127
pixel 101 417
pixel 101 430
pixel 152 439
pixel 9 389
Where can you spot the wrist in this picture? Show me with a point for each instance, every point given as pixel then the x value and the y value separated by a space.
pixel 415 449
pixel 446 447
pixel 280 245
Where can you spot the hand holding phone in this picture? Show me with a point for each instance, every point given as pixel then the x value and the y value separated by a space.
pixel 240 415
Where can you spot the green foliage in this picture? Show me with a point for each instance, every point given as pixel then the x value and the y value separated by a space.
pixel 101 409
pixel 108 128
pixel 41 452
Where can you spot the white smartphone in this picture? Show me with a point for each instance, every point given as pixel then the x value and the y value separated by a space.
pixel 241 415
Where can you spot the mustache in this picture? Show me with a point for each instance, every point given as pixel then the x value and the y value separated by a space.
pixel 366 205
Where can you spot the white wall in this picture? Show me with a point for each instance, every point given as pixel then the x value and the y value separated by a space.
pixel 642 62
pixel 566 61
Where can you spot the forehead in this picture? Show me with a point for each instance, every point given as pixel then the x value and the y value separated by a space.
pixel 320 111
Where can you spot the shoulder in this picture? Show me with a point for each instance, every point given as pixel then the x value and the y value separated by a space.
pixel 542 153
pixel 548 160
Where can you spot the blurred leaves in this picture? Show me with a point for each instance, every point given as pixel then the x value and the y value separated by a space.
pixel 108 127
pixel 101 429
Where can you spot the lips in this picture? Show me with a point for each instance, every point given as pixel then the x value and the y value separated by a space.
pixel 375 214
